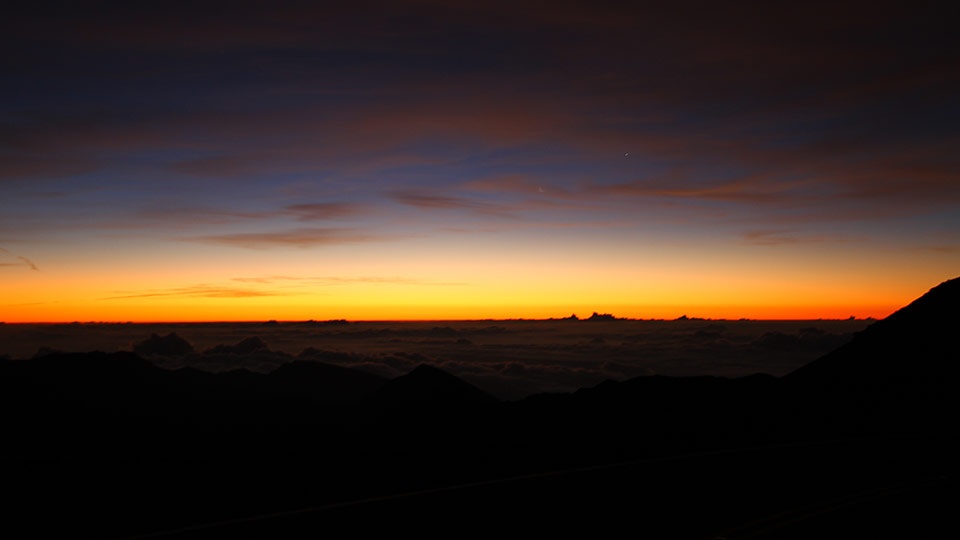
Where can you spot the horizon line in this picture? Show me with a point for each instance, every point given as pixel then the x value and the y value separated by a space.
pixel 682 318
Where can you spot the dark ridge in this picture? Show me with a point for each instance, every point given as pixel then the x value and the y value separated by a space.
pixel 98 368
pixel 244 346
pixel 169 345
pixel 123 382
pixel 313 354
pixel 602 317
pixel 428 384
pixel 63 392
pixel 45 351
pixel 310 379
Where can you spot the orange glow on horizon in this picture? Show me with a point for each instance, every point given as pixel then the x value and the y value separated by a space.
pixel 178 313
pixel 431 288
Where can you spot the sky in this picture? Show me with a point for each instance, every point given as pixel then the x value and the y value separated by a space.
pixel 411 160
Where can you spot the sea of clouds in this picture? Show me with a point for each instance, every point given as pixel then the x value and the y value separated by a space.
pixel 510 359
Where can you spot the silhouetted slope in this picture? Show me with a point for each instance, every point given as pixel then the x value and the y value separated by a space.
pixel 427 384
pixel 316 379
pixel 122 383
pixel 900 374
pixel 169 345
pixel 245 346
pixel 920 341
pixel 641 417
pixel 96 379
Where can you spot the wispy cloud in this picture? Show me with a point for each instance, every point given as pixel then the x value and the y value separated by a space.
pixel 265 279
pixel 198 291
pixel 186 216
pixel 196 215
pixel 22 261
pixel 443 202
pixel 946 249
pixel 517 183
pixel 782 237
pixel 299 238
pixel 29 263
pixel 19 167
pixel 682 184
pixel 321 211
pixel 335 280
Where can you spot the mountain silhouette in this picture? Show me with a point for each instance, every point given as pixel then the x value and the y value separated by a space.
pixel 899 374
pixel 124 384
pixel 917 342
pixel 169 345
pixel 428 384
pixel 244 346
pixel 697 457
pixel 320 380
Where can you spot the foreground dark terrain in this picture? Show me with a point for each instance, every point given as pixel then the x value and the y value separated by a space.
pixel 855 443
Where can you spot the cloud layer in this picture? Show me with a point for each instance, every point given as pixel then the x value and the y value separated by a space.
pixel 511 359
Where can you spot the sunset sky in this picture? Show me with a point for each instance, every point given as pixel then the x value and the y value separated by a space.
pixel 465 160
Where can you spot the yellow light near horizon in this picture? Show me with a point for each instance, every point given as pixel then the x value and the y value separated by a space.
pixel 429 305
pixel 448 288
pixel 201 313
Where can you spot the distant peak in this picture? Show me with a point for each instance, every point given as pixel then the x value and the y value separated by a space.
pixel 429 383
pixel 602 317
pixel 427 369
